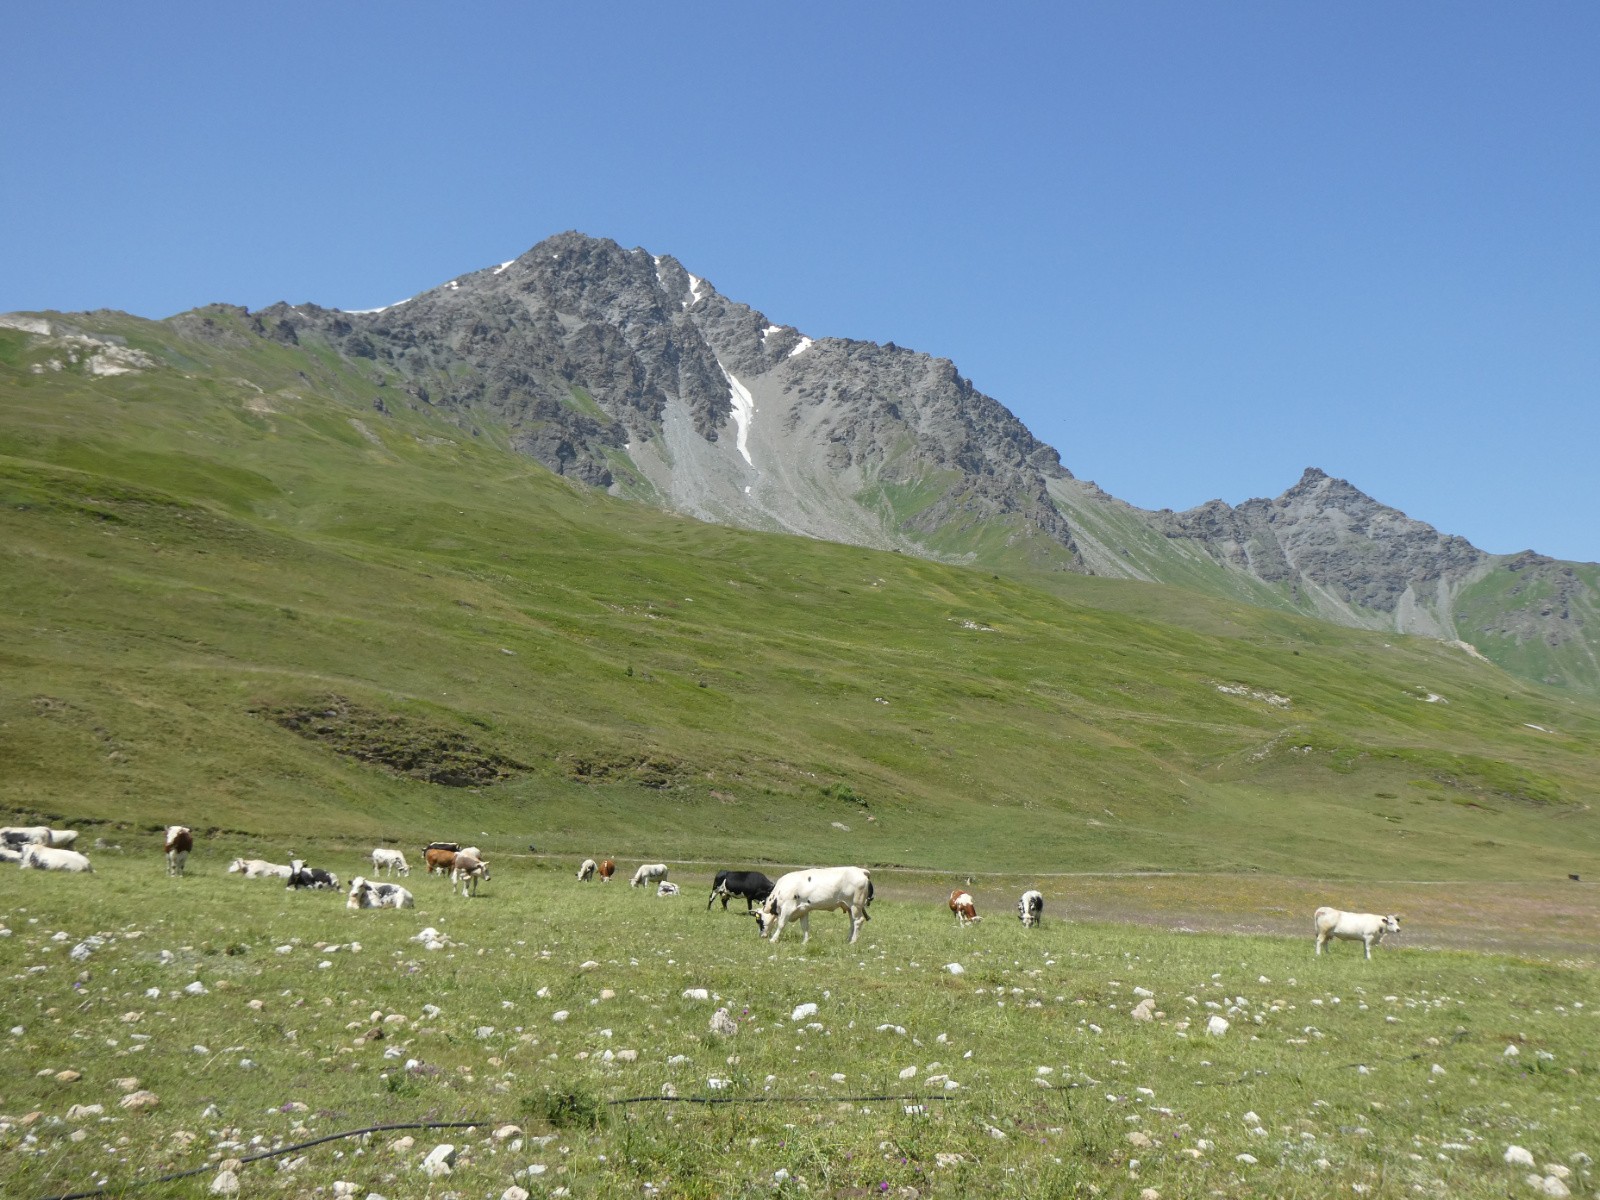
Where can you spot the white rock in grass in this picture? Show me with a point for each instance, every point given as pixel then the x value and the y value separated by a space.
pixel 196 988
pixel 1250 1118
pixel 439 1161
pixel 802 1011
pixel 225 1184
pixel 955 968
pixel 1512 1052
pixel 1144 1010
pixel 560 1015
pixel 343 1187
pixel 909 1073
pixel 722 1024
pixel 1559 1171
pixel 1248 1160
pixel 1548 1185
pixel 1217 1026
pixel 1516 1156
pixel 514 1193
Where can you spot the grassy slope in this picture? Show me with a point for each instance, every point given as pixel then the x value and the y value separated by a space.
pixel 242 526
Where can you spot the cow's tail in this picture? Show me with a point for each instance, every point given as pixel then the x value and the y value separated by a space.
pixel 869 886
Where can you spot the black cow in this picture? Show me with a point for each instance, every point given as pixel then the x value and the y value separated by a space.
pixel 752 885
pixel 302 876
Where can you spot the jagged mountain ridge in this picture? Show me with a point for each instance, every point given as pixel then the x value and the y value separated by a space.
pixel 620 369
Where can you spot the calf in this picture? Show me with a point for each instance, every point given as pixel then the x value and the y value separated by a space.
pixel 467 872
pixel 302 876
pixel 1030 908
pixel 47 858
pixel 608 868
pixel 179 840
pixel 666 889
pixel 366 894
pixel 799 892
pixel 586 870
pixel 961 904
pixel 389 862
pixel 259 868
pixel 752 885
pixel 648 873
pixel 1366 928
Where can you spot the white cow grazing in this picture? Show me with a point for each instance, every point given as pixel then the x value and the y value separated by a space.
pixel 586 870
pixel 385 862
pixel 259 868
pixel 799 892
pixel 666 889
pixel 649 873
pixel 48 858
pixel 1030 908
pixel 468 872
pixel 366 894
pixel 1366 928
pixel 177 842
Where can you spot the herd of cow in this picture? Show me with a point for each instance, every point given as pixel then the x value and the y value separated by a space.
pixel 773 903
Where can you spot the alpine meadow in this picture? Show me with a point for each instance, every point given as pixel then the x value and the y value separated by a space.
pixel 481 567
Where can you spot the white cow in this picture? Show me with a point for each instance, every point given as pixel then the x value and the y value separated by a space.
pixel 259 868
pixel 586 870
pixel 468 872
pixel 1366 928
pixel 1030 908
pixel 38 835
pixel 799 892
pixel 385 862
pixel 649 873
pixel 47 858
pixel 366 894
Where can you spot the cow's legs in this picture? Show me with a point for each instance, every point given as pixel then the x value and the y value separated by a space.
pixel 805 928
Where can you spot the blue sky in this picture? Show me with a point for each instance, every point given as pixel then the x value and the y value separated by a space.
pixel 1196 247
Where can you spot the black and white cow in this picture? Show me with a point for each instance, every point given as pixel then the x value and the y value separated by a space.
pixel 1030 909
pixel 302 876
pixel 752 885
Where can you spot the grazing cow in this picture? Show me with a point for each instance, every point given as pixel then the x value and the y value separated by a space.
pixel 48 858
pixel 468 871
pixel 586 870
pixel 666 889
pixel 961 904
pixel 1030 908
pixel 440 861
pixel 259 868
pixel 752 885
pixel 178 841
pixel 389 862
pixel 302 876
pixel 608 868
pixel 648 873
pixel 826 888
pixel 366 894
pixel 1366 928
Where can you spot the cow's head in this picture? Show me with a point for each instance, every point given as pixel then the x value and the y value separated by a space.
pixel 1391 924
pixel 236 865
pixel 764 915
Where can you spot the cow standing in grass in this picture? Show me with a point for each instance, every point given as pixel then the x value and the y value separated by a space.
pixel 1366 928
pixel 752 885
pixel 798 893
pixel 1030 909
pixel 586 870
pixel 648 873
pixel 389 862
pixel 608 868
pixel 962 905
pixel 178 842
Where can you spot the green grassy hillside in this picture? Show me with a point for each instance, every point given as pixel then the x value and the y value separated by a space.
pixel 260 588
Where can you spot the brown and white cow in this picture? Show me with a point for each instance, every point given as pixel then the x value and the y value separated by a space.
pixel 178 841
pixel 961 904
pixel 608 868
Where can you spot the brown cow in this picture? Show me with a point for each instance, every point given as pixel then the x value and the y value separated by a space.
pixel 961 904
pixel 440 862
pixel 608 868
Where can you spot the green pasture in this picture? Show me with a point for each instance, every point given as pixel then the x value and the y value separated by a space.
pixel 1025 1075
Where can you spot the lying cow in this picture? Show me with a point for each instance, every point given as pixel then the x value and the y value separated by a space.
pixel 47 858
pixel 1366 928
pixel 19 836
pixel 389 862
pixel 586 870
pixel 752 885
pixel 259 868
pixel 302 876
pixel 648 873
pixel 177 842
pixel 364 893
pixel 961 904
pixel 798 893
pixel 666 889
pixel 467 872
pixel 1030 908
